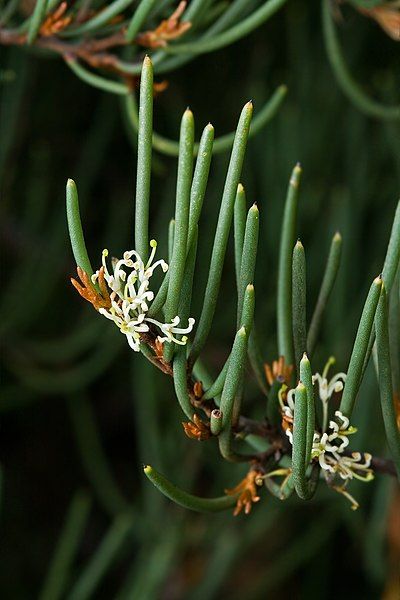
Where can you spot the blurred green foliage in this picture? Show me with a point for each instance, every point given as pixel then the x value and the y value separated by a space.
pixel 80 413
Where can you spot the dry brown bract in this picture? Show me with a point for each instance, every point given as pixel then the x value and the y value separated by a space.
pixel 168 30
pixel 55 22
pixel 197 430
pixel 279 369
pixel 89 292
pixel 396 401
pixel 247 490
pixel 387 16
pixel 198 389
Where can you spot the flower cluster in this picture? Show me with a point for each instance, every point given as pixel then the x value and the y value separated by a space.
pixel 329 444
pixel 128 303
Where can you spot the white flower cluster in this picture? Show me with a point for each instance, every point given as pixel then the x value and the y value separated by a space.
pixel 130 298
pixel 328 447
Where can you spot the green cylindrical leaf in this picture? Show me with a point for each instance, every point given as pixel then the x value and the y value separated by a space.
pixel 101 18
pixel 143 173
pixel 39 11
pixel 231 387
pixel 392 258
pixel 247 316
pixel 331 269
pixel 299 307
pixel 247 321
pixel 188 500
pixel 390 265
pixel 216 421
pixel 239 218
pixel 247 272
pixel 182 208
pixel 222 143
pixel 197 193
pixel 222 232
pixel 360 349
pixel 274 415
pixel 75 229
pixel 200 179
pixel 283 491
pixel 184 180
pixel 284 302
pixel 180 363
pixel 306 379
pixel 255 19
pixel 385 379
pixel 249 256
pixel 235 369
pixel 139 18
pixel 257 361
pixel 305 489
pixel 218 385
pixel 180 384
pixel 171 234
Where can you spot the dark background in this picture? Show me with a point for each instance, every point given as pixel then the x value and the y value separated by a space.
pixel 79 411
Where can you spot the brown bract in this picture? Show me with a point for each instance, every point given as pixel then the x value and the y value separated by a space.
pixel 198 430
pixel 168 30
pixel 55 22
pixel 387 15
pixel 279 369
pixel 198 389
pixel 89 292
pixel 396 401
pixel 247 490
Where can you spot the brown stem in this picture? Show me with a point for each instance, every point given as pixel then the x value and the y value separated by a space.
pixel 384 466
pixel 92 51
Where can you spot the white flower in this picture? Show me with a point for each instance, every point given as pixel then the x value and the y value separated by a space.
pixel 131 297
pixel 348 467
pixel 327 388
pixel 341 430
pixel 169 329
pixel 329 445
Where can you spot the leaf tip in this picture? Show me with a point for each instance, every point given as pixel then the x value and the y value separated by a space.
pixel 337 237
pixel 295 177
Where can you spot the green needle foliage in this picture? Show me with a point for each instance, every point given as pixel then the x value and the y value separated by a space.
pixel 385 379
pixel 215 409
pixel 188 500
pixel 299 306
pixel 284 295
pixel 360 348
pixel 75 229
pixel 144 160
pixel 254 377
pixel 331 270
